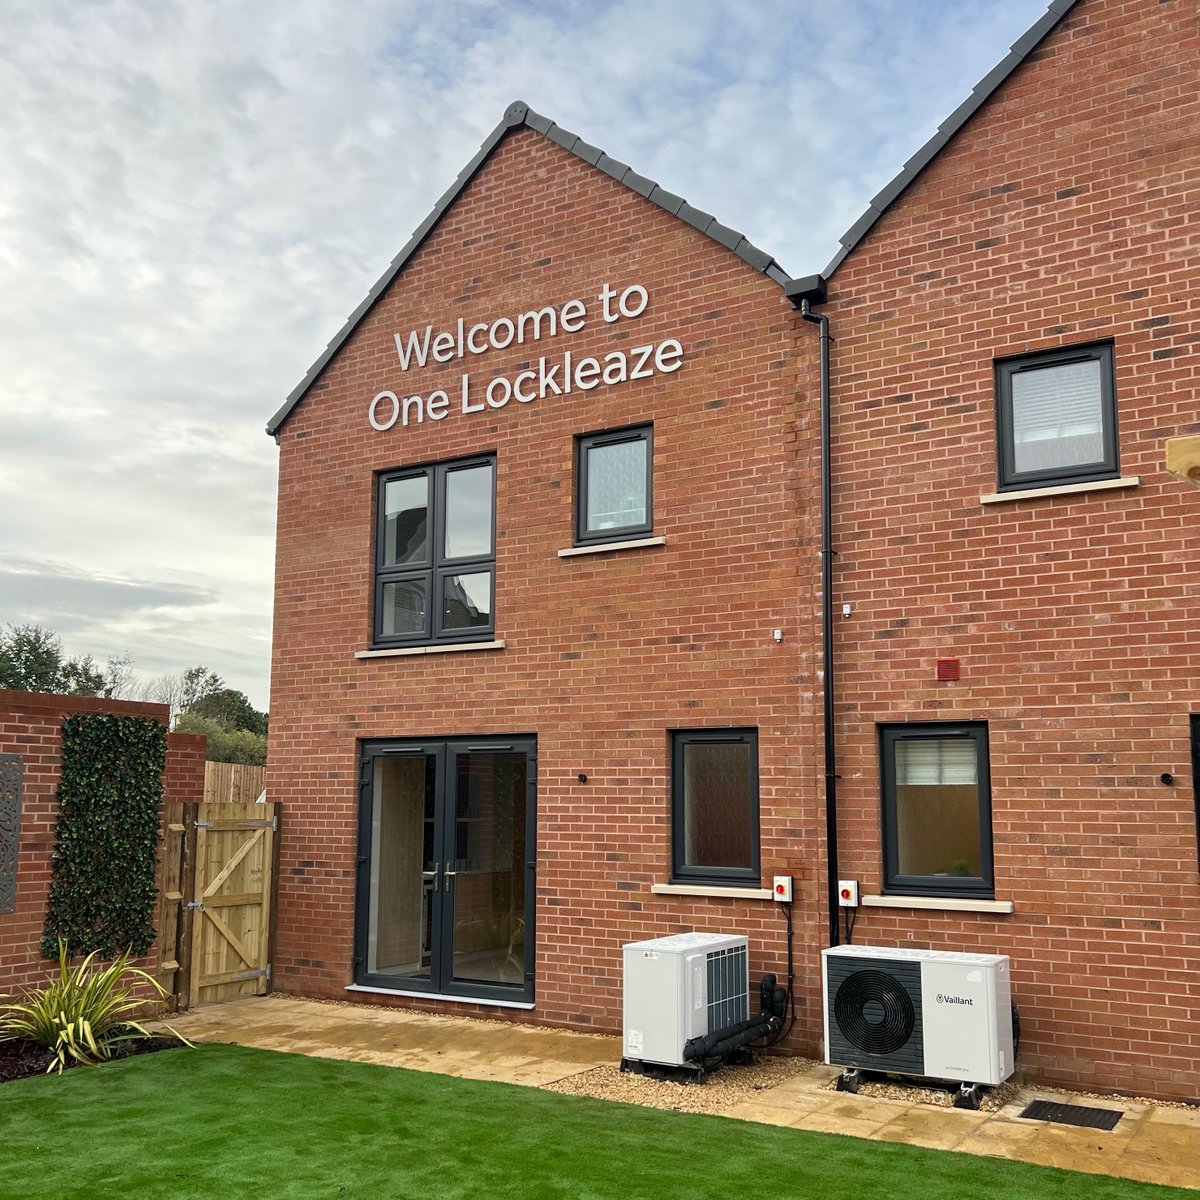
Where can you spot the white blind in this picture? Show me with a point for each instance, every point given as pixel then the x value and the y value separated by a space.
pixel 935 761
pixel 1057 416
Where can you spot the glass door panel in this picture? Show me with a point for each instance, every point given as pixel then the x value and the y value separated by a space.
pixel 402 867
pixel 487 888
pixel 445 899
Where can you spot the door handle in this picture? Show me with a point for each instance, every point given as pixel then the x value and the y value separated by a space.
pixel 433 875
pixel 448 875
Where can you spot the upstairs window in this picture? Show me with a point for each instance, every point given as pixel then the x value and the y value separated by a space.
pixel 613 493
pixel 435 561
pixel 937 810
pixel 1057 417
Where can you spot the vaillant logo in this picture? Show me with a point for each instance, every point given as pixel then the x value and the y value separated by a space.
pixel 954 999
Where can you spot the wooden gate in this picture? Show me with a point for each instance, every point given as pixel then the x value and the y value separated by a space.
pixel 217 912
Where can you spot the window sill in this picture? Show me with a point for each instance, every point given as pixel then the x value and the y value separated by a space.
pixel 455 648
pixel 378 991
pixel 699 889
pixel 1064 489
pixel 945 903
pixel 605 547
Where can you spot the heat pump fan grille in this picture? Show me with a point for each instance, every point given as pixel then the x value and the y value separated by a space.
pixel 874 1012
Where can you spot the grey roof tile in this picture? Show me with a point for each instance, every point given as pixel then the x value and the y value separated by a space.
pixel 667 200
pixel 695 217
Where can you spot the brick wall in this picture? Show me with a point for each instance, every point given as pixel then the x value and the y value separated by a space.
pixel 1065 212
pixel 31 726
pixel 604 654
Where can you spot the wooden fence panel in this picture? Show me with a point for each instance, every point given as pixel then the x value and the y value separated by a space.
pixel 232 783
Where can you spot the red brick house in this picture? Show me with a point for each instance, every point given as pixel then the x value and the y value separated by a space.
pixel 548 672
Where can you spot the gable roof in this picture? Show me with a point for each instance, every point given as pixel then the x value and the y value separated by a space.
pixel 980 94
pixel 519 115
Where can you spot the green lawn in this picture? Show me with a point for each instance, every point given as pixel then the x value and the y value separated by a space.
pixel 228 1123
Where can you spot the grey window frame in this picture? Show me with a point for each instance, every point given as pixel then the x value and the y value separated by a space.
pixel 1010 479
pixel 981 886
pixel 438 566
pixel 583 444
pixel 713 876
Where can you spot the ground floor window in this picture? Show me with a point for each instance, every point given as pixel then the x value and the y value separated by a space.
pixel 937 811
pixel 714 807
pixel 446 867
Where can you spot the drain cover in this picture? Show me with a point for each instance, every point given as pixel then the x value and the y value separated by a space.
pixel 1073 1114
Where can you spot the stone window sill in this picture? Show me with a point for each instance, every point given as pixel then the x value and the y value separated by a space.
pixel 943 903
pixel 606 547
pixel 456 648
pixel 1064 489
pixel 721 893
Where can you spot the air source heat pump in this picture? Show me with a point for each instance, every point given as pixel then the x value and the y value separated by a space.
pixel 919 1012
pixel 681 987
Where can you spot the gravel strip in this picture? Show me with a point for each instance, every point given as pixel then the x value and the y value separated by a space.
pixel 723 1090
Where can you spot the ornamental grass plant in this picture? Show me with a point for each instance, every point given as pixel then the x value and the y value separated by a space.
pixel 81 1013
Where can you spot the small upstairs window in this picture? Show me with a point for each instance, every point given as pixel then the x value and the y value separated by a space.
pixel 1056 415
pixel 613 485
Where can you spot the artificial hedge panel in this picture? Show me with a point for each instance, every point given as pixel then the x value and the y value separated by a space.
pixel 102 892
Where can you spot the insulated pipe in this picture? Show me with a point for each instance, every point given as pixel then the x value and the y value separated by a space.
pixel 831 859
pixel 722 1042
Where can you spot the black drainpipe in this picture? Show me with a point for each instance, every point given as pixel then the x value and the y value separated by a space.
pixel 807 291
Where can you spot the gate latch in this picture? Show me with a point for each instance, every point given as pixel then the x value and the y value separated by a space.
pixel 195 904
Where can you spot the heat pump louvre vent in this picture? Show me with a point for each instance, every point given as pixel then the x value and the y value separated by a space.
pixel 878 1014
pixel 728 1000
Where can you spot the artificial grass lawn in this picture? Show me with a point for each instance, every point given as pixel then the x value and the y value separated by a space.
pixel 226 1122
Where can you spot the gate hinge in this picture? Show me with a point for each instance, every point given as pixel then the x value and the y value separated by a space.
pixel 204 824
pixel 195 904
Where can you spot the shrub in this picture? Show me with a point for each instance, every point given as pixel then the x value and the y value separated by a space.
pixel 82 1013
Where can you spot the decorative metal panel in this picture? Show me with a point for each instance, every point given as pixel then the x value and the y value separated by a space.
pixel 12 770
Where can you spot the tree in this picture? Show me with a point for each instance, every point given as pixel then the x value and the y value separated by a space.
pixel 32 659
pixel 181 689
pixel 225 744
pixel 232 709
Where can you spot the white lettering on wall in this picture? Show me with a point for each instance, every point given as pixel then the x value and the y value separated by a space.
pixel 551 376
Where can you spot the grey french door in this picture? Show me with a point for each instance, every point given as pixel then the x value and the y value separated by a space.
pixel 446 867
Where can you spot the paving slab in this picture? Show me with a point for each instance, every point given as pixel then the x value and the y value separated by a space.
pixel 932 1127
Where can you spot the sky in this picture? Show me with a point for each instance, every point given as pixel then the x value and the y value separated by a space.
pixel 195 194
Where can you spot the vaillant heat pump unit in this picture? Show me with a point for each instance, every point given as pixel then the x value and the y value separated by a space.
pixel 681 987
pixel 919 1012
